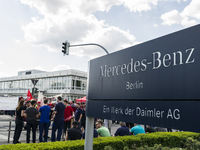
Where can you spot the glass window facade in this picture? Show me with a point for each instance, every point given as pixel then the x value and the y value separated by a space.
pixel 48 83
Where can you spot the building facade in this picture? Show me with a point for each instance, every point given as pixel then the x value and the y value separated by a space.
pixel 70 83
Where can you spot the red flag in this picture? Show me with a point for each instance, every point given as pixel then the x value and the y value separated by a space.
pixel 29 96
pixel 69 118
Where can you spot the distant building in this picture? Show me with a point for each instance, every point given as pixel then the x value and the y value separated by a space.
pixel 70 83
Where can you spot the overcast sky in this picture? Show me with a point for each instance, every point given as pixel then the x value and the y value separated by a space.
pixel 32 31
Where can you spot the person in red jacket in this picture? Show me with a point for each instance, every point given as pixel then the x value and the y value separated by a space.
pixel 68 115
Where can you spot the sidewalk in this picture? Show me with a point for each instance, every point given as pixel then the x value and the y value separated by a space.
pixel 6 117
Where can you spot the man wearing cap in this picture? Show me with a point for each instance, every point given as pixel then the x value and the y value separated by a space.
pixel 38 105
pixel 74 133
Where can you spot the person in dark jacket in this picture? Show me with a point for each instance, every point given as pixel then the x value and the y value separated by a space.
pixel 83 120
pixel 123 130
pixel 31 114
pixel 150 129
pixel 19 121
pixel 58 120
pixel 78 115
pixel 74 133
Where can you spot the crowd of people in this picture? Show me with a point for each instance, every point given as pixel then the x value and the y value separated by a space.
pixel 67 118
pixel 31 115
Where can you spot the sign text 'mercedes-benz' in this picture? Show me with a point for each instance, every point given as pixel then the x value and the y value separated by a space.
pixel 158 60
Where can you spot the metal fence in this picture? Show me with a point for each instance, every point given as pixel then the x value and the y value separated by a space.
pixel 9 130
pixel 9 127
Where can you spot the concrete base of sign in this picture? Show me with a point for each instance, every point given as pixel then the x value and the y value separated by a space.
pixel 89 132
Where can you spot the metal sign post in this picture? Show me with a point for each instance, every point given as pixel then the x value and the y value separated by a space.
pixel 89 133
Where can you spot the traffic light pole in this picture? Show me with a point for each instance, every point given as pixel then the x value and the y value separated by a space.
pixel 90 44
pixel 89 131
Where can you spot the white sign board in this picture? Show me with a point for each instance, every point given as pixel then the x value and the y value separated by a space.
pixel 8 103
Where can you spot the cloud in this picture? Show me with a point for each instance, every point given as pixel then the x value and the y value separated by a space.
pixel 188 17
pixel 73 20
pixel 178 0
pixel 51 33
pixel 171 17
pixel 111 38
pixel 143 5
pixel 187 23
pixel 76 6
pixel 192 10
pixel 66 21
pixel 60 67
pixel 155 25
pixel 87 7
pixel 49 7
pixel 90 6
pixel 140 5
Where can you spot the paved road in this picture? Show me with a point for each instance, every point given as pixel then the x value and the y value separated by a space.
pixel 4 126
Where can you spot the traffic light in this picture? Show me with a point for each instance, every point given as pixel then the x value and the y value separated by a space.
pixel 34 91
pixel 65 48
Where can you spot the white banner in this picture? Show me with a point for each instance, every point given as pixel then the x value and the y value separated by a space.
pixel 8 103
pixel 40 98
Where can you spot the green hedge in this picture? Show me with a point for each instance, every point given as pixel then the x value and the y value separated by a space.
pixel 169 139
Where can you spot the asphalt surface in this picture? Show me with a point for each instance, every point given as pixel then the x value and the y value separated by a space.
pixel 4 133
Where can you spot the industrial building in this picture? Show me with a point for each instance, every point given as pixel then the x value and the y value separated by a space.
pixel 70 83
